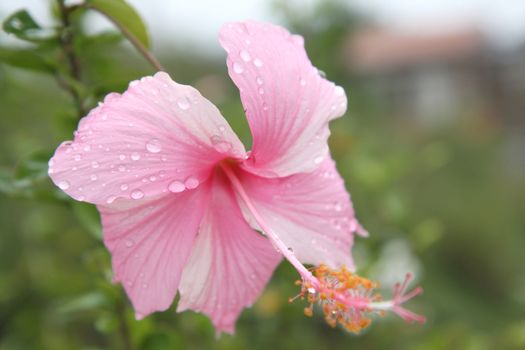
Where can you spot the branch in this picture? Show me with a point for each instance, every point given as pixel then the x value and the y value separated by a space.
pixel 138 45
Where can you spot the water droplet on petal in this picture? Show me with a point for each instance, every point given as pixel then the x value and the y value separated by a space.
pixel 94 177
pixel 183 104
pixel 124 187
pixel 63 185
pixel 238 68
pixel 153 146
pixel 176 186
pixel 245 56
pixel 318 160
pixel 135 156
pixel 94 164
pixel 121 157
pixel 191 183
pixel 78 157
pixel 137 194
pixel 121 168
pixel 257 63
pixel 110 199
pixel 338 206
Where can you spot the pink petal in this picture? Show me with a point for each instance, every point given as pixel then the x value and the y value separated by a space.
pixel 157 137
pixel 288 104
pixel 150 241
pixel 230 263
pixel 311 213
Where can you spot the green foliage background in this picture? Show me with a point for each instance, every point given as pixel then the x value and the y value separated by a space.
pixel 445 192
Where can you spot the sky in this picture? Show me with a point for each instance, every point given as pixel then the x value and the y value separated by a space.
pixel 196 23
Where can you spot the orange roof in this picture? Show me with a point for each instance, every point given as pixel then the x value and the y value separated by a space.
pixel 372 49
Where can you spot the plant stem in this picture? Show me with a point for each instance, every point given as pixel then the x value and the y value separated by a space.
pixel 66 41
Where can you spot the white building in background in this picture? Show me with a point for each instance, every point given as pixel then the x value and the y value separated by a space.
pixel 433 77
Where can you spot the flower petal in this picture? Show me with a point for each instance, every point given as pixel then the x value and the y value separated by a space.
pixel 311 213
pixel 288 104
pixel 230 263
pixel 150 241
pixel 156 137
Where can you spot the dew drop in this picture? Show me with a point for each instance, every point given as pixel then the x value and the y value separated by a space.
pixel 121 168
pixel 245 56
pixel 94 164
pixel 124 187
pixel 87 148
pixel 121 157
pixel 176 186
pixel 191 183
pixel 78 157
pixel 153 178
pixel 94 177
pixel 257 62
pixel 318 160
pixel 135 156
pixel 137 194
pixel 63 185
pixel 110 199
pixel 238 68
pixel 338 206
pixel 183 104
pixel 153 146
pixel 259 80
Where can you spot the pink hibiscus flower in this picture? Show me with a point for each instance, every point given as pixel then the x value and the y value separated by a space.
pixel 185 208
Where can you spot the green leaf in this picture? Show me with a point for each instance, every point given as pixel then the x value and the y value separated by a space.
pixel 89 218
pixel 26 59
pixel 124 16
pixel 24 27
pixel 89 301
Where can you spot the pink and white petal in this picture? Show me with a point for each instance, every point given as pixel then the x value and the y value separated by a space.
pixel 150 241
pixel 288 104
pixel 230 263
pixel 156 137
pixel 311 213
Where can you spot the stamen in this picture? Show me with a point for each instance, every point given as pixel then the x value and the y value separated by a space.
pixel 345 298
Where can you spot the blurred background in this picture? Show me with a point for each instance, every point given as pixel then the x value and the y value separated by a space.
pixel 432 149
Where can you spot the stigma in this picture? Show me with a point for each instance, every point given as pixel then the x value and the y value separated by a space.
pixel 350 300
